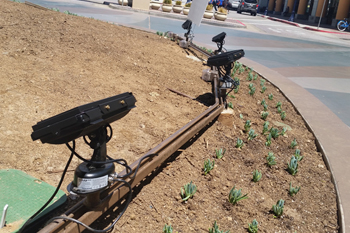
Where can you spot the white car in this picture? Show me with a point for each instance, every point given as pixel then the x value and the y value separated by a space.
pixel 234 4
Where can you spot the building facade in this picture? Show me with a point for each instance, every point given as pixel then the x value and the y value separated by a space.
pixel 330 11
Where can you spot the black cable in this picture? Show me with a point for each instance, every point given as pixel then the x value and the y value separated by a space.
pixel 138 166
pixel 53 195
pixel 126 204
pixel 115 221
pixel 119 161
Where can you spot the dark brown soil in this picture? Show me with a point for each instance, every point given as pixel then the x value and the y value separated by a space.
pixel 52 62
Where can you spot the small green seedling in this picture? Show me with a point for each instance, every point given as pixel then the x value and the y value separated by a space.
pixel 230 105
pixel 263 89
pixel 188 191
pixel 252 91
pixel 215 229
pixel 253 227
pixel 239 143
pixel 208 166
pixel 220 153
pixel 270 96
pixel 278 208
pixel 293 166
pixel 247 126
pixel 265 107
pixel 274 133
pixel 283 115
pixel 55 9
pixel 263 102
pixel 268 140
pixel 293 143
pixel 240 69
pixel 250 77
pixel 297 155
pixel 262 82
pixel 284 130
pixel 251 85
pixel 236 90
pixel 279 104
pixel 167 229
pixel 292 190
pixel 256 175
pixel 241 116
pixel 70 13
pixel 270 159
pixel 232 96
pixel 264 115
pixel 236 196
pixel 251 134
pixel 279 109
pixel 265 127
pixel 255 77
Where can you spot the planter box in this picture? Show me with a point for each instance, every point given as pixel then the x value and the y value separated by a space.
pixel 155 5
pixel 167 7
pixel 220 16
pixel 186 10
pixel 208 14
pixel 123 2
pixel 177 9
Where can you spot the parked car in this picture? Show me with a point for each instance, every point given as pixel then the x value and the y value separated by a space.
pixel 234 4
pixel 250 6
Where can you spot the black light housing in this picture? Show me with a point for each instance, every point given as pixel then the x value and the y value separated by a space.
pixel 219 38
pixel 224 59
pixel 83 120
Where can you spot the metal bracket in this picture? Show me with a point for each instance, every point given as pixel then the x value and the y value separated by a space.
pixel 3 218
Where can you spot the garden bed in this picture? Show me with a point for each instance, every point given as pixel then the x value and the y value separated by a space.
pixel 52 62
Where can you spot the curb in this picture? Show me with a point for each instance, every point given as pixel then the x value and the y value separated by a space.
pixel 303 27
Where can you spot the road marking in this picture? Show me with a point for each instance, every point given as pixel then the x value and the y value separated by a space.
pixel 296 32
pixel 275 30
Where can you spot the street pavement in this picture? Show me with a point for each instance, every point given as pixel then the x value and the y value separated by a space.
pixel 310 65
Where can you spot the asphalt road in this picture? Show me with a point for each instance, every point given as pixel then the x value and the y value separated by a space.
pixel 317 61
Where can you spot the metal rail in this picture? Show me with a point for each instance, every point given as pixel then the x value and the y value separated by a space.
pixel 82 212
pixel 199 49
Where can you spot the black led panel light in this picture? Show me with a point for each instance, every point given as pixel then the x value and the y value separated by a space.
pixel 83 120
pixel 225 58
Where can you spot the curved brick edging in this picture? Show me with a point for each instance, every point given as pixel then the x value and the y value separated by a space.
pixel 332 135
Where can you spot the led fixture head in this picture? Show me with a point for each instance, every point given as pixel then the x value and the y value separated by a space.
pixel 83 120
pixel 219 38
pixel 187 24
pixel 224 59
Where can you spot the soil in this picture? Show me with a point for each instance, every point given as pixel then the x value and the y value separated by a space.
pixel 52 62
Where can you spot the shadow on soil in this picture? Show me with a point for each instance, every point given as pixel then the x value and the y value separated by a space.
pixel 109 217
